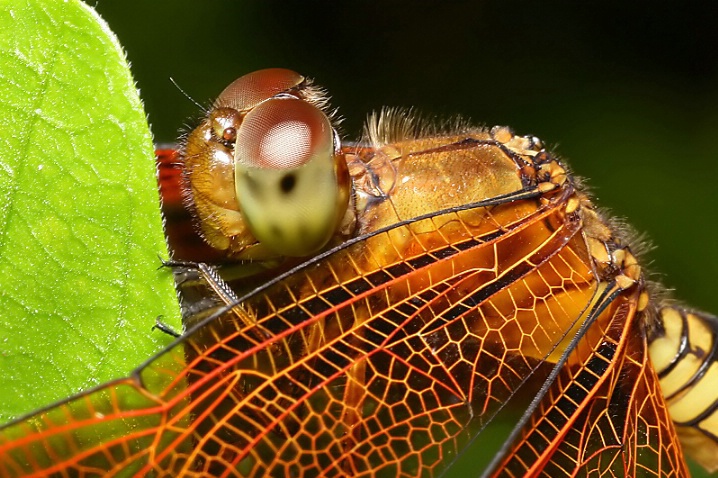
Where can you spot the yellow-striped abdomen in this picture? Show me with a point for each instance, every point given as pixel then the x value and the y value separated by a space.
pixel 684 353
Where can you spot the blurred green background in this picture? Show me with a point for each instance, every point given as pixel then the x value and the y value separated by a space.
pixel 627 91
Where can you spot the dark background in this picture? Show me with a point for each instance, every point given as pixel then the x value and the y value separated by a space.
pixel 627 91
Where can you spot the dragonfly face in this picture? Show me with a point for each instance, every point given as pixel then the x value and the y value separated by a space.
pixel 264 171
pixel 465 295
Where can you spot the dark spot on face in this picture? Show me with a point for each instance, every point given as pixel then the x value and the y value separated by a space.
pixel 276 231
pixel 287 183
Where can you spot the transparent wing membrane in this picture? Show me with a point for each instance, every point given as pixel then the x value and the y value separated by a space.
pixel 467 305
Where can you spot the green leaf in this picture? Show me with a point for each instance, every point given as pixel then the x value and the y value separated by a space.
pixel 80 227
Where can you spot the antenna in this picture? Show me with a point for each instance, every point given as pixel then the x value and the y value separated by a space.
pixel 184 93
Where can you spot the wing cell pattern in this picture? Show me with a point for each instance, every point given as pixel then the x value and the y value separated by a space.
pixel 389 357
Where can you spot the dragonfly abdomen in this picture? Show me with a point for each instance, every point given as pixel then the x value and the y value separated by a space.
pixel 684 352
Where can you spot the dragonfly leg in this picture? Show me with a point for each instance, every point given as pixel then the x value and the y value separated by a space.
pixel 165 328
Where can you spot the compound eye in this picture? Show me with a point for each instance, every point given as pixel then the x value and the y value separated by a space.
pixel 248 91
pixel 291 187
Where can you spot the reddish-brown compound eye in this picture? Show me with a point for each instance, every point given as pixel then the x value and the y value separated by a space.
pixel 292 189
pixel 249 90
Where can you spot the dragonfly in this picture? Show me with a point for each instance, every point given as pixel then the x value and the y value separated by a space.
pixel 386 307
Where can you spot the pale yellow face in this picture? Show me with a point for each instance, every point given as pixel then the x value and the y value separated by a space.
pixel 285 176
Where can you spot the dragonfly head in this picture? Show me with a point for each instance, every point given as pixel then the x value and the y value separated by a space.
pixel 264 170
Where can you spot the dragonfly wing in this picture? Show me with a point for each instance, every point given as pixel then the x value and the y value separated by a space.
pixel 363 361
pixel 386 356
pixel 115 429
pixel 389 366
pixel 605 415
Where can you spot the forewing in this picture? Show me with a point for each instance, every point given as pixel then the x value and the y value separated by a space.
pixel 113 430
pixel 605 414
pixel 365 361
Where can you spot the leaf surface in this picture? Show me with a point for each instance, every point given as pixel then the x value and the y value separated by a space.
pixel 80 228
